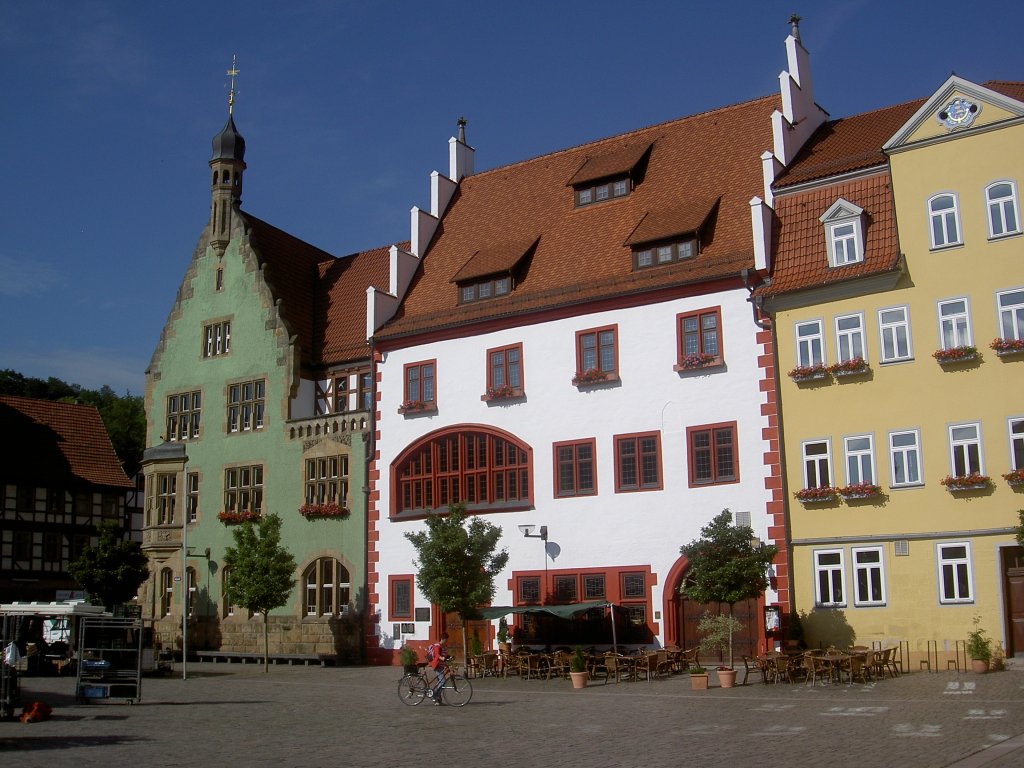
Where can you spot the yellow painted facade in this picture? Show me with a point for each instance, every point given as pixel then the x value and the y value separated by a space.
pixel 916 529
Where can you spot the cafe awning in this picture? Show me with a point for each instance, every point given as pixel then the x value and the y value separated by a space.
pixel 562 611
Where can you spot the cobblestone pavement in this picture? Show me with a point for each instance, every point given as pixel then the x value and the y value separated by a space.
pixel 312 716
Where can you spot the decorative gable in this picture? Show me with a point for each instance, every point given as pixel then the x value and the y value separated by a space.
pixel 957 106
pixel 844 233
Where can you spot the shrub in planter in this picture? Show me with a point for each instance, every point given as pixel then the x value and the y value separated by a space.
pixel 408 658
pixel 979 644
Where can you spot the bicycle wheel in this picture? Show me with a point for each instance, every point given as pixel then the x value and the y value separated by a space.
pixel 457 691
pixel 412 689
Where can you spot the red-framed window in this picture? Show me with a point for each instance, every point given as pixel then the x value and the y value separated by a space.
pixel 575 468
pixel 481 466
pixel 505 367
pixel 420 382
pixel 638 462
pixel 713 454
pixel 699 336
pixel 528 590
pixel 597 349
pixel 401 596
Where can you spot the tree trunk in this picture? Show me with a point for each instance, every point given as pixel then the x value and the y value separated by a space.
pixel 266 644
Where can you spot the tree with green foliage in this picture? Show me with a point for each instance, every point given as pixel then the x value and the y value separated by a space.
pixel 1020 528
pixel 112 571
pixel 262 572
pixel 727 565
pixel 457 563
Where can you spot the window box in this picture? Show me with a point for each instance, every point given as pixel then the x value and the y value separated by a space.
pixel 1015 478
pixel 231 517
pixel 808 372
pixel 971 482
pixel 860 491
pixel 417 406
pixel 816 495
pixel 851 367
pixel 1007 347
pixel 326 510
pixel 696 361
pixel 504 392
pixel 593 376
pixel 955 355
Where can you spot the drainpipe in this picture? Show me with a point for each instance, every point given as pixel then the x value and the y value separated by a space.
pixel 755 301
pixel 370 447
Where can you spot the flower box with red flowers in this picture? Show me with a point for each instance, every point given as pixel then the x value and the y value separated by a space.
pixel 850 367
pixel 233 517
pixel 328 509
pixel 696 361
pixel 859 491
pixel 1015 478
pixel 1007 347
pixel 812 495
pixel 503 392
pixel 971 482
pixel 808 372
pixel 955 354
pixel 592 376
pixel 417 406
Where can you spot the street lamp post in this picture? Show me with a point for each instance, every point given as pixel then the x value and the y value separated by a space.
pixel 527 531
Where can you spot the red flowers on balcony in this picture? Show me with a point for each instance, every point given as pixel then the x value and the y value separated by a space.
pixel 1003 347
pixel 849 367
pixel 234 517
pixel 825 493
pixel 968 482
pixel 955 354
pixel 589 376
pixel 808 372
pixel 859 491
pixel 328 509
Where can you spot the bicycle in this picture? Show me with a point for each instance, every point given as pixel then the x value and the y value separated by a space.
pixel 414 687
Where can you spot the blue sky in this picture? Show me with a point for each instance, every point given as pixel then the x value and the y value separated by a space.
pixel 109 109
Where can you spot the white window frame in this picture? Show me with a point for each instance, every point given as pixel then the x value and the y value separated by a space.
pixel 959 567
pixel 875 576
pixel 850 340
pixel 1015 434
pixel 805 458
pixel 1011 315
pixel 835 572
pixel 956 322
pixel 805 343
pixel 844 247
pixel 997 209
pixel 888 333
pixel 942 219
pixel 859 462
pixel 960 449
pixel 905 451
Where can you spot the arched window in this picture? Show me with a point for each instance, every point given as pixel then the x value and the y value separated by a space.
pixel 327 588
pixel 484 467
pixel 166 591
pixel 944 218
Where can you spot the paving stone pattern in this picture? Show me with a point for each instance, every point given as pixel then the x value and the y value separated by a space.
pixel 351 716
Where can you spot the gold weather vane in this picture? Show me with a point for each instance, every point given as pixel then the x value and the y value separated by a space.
pixel 231 95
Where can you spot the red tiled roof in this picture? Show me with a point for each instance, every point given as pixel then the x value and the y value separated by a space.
pixel 683 220
pixel 581 255
pixel 801 259
pixel 56 444
pixel 323 297
pixel 500 258
pixel 601 166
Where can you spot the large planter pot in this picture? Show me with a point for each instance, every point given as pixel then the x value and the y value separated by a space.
pixel 579 679
pixel 979 666
pixel 699 682
pixel 727 677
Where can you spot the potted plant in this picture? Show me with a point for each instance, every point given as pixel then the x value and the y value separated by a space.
pixel 1015 478
pixel 814 495
pixel 859 491
pixel 698 678
pixel 502 636
pixel 969 482
pixel 408 658
pixel 578 669
pixel 808 372
pixel 955 354
pixel 717 630
pixel 1010 346
pixel 979 647
pixel 849 367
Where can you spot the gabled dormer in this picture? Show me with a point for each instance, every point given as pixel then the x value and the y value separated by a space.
pixel 844 233
pixel 491 273
pixel 609 175
pixel 672 235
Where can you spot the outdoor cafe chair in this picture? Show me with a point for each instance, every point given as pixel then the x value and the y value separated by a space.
pixel 558 664
pixel 757 664
pixel 530 666
pixel 817 668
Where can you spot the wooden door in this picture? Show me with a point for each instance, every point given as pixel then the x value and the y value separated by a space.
pixel 1013 577
pixel 453 626
pixel 744 642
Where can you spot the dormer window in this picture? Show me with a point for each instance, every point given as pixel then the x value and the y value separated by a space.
pixel 665 253
pixel 844 233
pixel 603 191
pixel 491 273
pixel 485 289
pixel 671 235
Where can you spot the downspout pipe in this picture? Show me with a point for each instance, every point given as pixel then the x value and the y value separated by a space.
pixel 755 301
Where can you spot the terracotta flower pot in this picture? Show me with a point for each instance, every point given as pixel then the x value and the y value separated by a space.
pixel 699 682
pixel 579 679
pixel 726 677
pixel 979 666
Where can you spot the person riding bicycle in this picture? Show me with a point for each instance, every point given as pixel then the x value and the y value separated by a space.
pixel 437 653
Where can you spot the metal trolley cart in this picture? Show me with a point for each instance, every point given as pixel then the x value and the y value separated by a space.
pixel 109 659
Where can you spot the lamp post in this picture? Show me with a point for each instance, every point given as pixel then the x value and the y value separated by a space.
pixel 527 531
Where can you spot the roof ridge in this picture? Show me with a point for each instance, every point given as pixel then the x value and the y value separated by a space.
pixel 604 139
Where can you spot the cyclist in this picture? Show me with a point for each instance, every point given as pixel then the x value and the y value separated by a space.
pixel 436 655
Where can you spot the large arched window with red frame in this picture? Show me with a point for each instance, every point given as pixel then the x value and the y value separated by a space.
pixel 484 467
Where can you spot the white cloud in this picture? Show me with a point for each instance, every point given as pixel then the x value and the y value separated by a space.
pixel 22 277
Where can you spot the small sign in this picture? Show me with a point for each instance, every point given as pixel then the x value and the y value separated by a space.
pixel 177 578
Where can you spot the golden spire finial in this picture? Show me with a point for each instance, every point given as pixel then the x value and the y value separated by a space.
pixel 231 95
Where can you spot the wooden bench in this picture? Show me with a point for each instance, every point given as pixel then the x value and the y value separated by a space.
pixel 323 659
